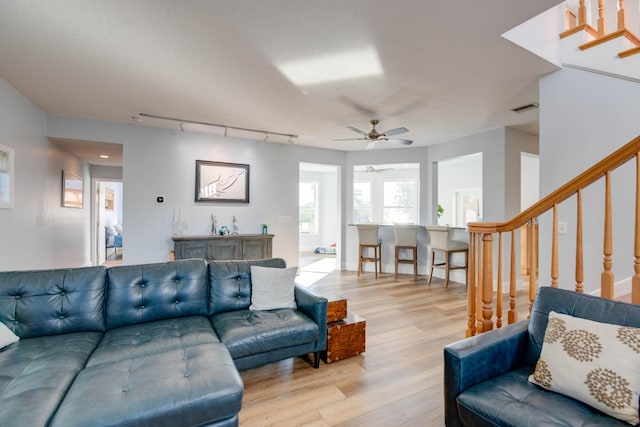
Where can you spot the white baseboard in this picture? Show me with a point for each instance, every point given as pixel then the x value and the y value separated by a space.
pixel 620 288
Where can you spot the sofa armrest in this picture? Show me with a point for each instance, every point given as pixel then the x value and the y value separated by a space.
pixel 315 307
pixel 476 359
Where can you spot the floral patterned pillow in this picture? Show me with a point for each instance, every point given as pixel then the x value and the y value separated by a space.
pixel 595 363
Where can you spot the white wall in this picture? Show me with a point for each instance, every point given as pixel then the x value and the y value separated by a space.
pixel 500 150
pixel 159 161
pixel 584 117
pixel 492 146
pixel 37 232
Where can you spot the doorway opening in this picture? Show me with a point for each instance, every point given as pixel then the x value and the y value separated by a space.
pixel 319 221
pixel 108 233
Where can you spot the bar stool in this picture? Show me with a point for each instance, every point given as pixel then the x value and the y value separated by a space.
pixel 440 236
pixel 406 237
pixel 368 239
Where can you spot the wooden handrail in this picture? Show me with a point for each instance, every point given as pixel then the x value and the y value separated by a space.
pixel 480 310
pixel 589 176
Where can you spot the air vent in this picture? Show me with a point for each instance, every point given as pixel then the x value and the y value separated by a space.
pixel 527 107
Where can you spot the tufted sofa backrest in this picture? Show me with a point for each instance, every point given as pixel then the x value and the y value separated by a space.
pixel 51 302
pixel 142 293
pixel 578 305
pixel 230 283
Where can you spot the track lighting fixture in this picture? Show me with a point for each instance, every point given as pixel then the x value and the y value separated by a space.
pixel 182 122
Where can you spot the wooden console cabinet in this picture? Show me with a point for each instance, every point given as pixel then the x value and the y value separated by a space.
pixel 241 246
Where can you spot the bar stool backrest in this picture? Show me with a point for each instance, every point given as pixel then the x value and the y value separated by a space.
pixel 368 234
pixel 439 235
pixel 406 234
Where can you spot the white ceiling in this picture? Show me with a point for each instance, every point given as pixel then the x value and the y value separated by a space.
pixel 446 71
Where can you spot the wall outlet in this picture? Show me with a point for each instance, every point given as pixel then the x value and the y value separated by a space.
pixel 562 228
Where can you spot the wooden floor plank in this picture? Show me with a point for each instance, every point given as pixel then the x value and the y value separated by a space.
pixel 396 382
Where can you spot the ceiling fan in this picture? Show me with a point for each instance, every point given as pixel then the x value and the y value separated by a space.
pixel 371 169
pixel 373 136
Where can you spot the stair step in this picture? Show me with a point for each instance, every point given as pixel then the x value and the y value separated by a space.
pixel 629 52
pixel 612 36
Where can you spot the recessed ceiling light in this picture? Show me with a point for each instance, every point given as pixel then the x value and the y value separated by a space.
pixel 333 67
pixel 104 156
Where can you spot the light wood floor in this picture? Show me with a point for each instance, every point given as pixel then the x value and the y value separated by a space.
pixel 397 382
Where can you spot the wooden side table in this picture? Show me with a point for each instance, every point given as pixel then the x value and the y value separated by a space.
pixel 346 332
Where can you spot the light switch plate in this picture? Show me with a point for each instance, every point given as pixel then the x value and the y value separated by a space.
pixel 562 228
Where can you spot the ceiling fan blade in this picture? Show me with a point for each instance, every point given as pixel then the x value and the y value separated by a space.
pixel 350 139
pixel 356 130
pixel 372 143
pixel 400 141
pixel 396 131
pixel 357 106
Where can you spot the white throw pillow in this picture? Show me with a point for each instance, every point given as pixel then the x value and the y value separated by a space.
pixel 7 336
pixel 272 288
pixel 595 363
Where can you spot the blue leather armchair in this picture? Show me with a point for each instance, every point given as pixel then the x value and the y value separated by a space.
pixel 486 376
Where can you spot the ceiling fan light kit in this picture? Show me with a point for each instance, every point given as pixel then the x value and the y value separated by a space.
pixel 373 136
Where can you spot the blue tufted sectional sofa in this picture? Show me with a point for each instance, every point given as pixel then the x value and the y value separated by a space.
pixel 485 377
pixel 142 345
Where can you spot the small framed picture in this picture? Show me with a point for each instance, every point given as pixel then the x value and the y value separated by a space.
pixel 222 182
pixel 72 190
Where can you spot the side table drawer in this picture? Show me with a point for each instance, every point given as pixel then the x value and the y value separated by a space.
pixel 336 310
pixel 345 338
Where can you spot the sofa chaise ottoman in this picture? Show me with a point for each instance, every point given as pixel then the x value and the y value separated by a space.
pixel 131 345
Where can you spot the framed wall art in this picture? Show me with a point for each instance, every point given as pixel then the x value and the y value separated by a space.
pixel 222 182
pixel 72 190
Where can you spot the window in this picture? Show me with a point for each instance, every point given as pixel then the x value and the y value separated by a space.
pixel 362 202
pixel 6 176
pixel 400 201
pixel 468 206
pixel 308 208
pixel 386 193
